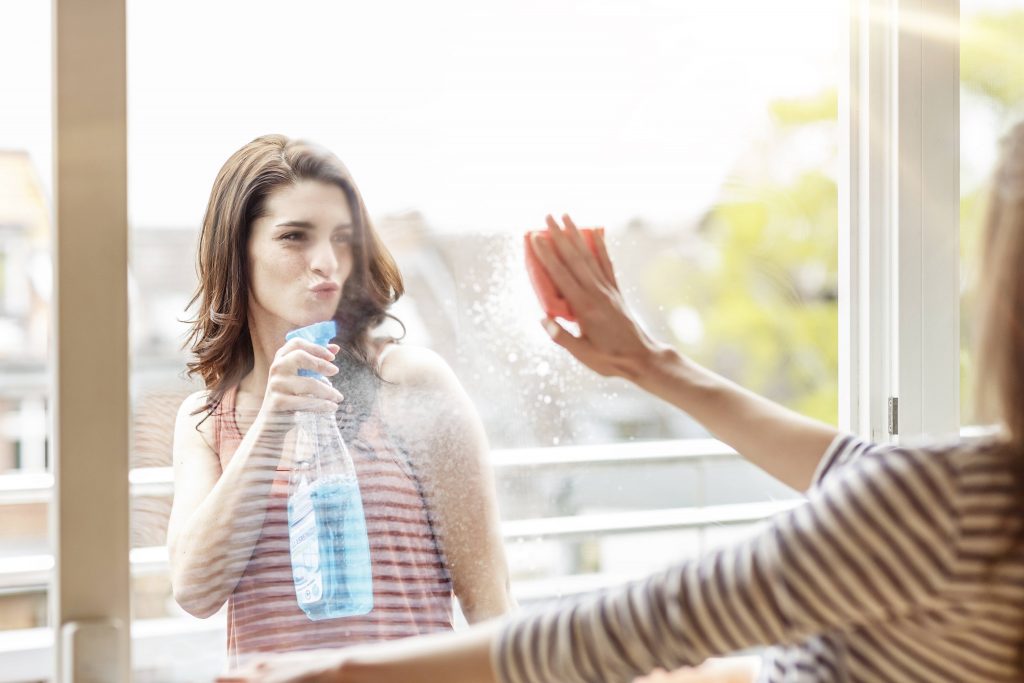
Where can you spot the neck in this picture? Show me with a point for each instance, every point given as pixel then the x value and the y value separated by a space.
pixel 266 340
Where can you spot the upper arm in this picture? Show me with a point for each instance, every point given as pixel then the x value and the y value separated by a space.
pixel 426 406
pixel 876 541
pixel 196 466
pixel 844 450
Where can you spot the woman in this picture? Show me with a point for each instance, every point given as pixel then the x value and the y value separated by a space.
pixel 906 564
pixel 286 242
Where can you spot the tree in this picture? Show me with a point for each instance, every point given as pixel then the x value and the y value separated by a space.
pixel 766 292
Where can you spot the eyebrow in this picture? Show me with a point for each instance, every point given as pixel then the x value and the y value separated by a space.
pixel 309 226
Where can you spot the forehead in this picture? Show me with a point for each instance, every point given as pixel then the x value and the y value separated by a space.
pixel 309 200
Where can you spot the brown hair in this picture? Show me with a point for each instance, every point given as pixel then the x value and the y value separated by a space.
pixel 219 335
pixel 1001 332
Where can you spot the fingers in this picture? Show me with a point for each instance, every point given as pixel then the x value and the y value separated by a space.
pixel 573 250
pixel 560 275
pixel 604 260
pixel 581 248
pixel 583 350
pixel 291 361
pixel 578 264
pixel 309 387
pixel 289 392
pixel 574 345
pixel 326 353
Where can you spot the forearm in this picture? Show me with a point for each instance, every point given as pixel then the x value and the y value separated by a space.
pixel 780 441
pixel 213 546
pixel 463 657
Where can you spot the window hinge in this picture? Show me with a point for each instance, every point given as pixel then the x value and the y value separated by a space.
pixel 894 415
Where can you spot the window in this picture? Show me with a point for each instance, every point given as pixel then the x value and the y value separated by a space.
pixel 706 138
pixel 705 143
pixel 25 290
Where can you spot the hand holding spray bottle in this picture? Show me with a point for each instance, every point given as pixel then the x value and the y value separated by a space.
pixel 330 549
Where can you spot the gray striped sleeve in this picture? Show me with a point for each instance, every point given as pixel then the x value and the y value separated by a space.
pixel 844 449
pixel 874 541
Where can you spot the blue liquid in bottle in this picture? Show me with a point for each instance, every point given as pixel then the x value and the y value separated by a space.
pixel 330 549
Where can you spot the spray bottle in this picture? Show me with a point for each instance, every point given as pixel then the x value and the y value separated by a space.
pixel 330 549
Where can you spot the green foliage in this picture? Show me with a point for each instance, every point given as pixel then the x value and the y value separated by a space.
pixel 992 57
pixel 803 110
pixel 767 299
pixel 767 296
pixel 771 314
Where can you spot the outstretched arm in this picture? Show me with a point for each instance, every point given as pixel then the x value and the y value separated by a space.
pixel 462 657
pixel 874 543
pixel 785 444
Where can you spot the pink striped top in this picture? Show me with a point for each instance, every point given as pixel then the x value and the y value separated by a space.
pixel 412 587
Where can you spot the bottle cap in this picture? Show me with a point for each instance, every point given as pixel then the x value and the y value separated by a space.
pixel 320 334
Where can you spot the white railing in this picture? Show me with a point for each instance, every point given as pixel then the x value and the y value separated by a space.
pixel 32 572
pixel 37 487
pixel 26 655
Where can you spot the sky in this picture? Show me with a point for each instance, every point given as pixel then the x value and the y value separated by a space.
pixel 483 116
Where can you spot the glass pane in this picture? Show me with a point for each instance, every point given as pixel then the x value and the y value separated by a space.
pixel 26 145
pixel 703 136
pixel 991 100
pixel 25 289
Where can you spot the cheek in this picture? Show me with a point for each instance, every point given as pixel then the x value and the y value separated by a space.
pixel 279 262
pixel 269 270
pixel 346 264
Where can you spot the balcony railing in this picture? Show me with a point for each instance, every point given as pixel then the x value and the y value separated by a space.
pixel 26 655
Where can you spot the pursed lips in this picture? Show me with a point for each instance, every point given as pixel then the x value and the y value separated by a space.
pixel 324 289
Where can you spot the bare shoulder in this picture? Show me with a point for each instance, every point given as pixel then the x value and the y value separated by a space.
pixel 425 404
pixel 192 419
pixel 416 367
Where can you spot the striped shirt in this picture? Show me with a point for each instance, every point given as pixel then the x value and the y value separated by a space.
pixel 903 565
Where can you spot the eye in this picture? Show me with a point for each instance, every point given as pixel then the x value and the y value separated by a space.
pixel 292 236
pixel 342 237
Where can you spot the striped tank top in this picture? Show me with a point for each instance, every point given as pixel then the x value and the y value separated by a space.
pixel 411 585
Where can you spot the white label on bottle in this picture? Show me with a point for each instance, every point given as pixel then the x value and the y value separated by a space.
pixel 305 547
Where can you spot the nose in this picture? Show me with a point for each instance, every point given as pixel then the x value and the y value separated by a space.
pixel 322 258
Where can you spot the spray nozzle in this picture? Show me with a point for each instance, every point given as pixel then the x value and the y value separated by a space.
pixel 320 334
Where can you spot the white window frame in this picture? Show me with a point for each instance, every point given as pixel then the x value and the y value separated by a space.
pixel 899 303
pixel 89 593
pixel 899 202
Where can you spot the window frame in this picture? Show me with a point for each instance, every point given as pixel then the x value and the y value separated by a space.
pixel 898 264
pixel 899 222
pixel 89 592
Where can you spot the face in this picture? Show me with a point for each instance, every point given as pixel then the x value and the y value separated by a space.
pixel 300 254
